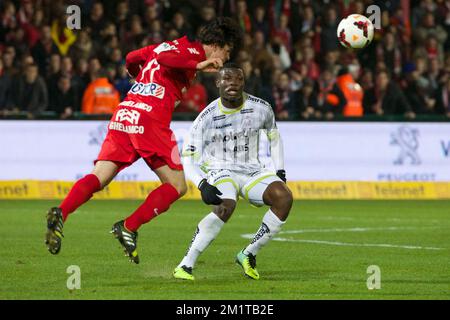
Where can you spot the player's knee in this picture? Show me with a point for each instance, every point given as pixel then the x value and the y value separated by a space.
pixel 181 187
pixel 286 200
pixel 225 209
pixel 280 198
pixel 102 181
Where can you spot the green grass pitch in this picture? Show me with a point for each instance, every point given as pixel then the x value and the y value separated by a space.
pixel 323 253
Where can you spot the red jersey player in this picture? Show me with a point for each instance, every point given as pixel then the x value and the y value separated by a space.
pixel 140 128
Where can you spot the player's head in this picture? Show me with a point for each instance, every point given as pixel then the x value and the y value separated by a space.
pixel 220 37
pixel 230 82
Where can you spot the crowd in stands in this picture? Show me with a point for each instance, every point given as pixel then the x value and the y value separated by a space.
pixel 290 55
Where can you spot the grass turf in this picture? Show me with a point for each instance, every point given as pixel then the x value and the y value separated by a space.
pixel 327 259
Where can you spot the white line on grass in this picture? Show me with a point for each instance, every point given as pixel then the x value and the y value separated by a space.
pixel 384 245
pixel 356 229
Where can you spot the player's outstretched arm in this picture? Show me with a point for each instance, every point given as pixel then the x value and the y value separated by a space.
pixel 135 59
pixel 182 58
pixel 210 65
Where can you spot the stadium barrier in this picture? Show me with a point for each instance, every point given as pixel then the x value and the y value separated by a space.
pixel 301 190
pixel 395 160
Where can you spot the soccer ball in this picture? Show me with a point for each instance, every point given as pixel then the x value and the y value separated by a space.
pixel 355 31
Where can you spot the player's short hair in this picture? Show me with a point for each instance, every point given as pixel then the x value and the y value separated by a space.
pixel 231 65
pixel 221 31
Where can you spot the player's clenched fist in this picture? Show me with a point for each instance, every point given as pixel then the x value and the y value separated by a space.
pixel 210 194
pixel 210 65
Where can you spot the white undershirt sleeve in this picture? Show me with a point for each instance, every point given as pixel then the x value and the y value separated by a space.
pixel 192 152
pixel 276 143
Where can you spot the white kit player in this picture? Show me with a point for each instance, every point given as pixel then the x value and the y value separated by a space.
pixel 221 158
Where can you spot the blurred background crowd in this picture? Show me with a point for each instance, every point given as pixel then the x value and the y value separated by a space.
pixel 290 56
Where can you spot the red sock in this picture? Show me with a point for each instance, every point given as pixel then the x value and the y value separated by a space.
pixel 157 202
pixel 81 192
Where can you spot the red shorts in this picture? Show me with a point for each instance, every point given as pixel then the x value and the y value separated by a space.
pixel 132 135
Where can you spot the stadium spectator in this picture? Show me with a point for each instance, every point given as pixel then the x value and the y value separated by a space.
pixel 8 63
pixel 64 101
pixel 428 29
pixel 111 43
pixel 33 28
pixel 279 36
pixel 53 73
pixel 297 76
pixel 151 14
pixel 252 78
pixel 111 72
pixel 283 32
pixel 80 80
pixel 443 99
pixel 242 16
pixel 122 17
pixel 96 21
pixel 307 107
pixel 25 12
pixel 279 53
pixel 305 19
pixel 116 57
pixel 67 66
pixel 366 80
pixel 260 22
pixel 94 68
pixel 421 97
pixel 100 96
pixel 122 81
pixel 180 24
pixel 5 90
pixel 282 99
pixel 54 66
pixel 135 33
pixel 430 50
pixel 353 94
pixel 386 98
pixel 328 29
pixel 308 55
pixel 207 14
pixel 261 57
pixel 434 74
pixel 43 49
pixel 419 11
pixel 17 40
pixel 84 47
pixel 8 21
pixel 30 92
pixel 330 99
pixel 388 51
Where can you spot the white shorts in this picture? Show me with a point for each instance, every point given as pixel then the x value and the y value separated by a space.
pixel 249 186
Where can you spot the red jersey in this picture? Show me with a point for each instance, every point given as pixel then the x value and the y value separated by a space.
pixel 163 72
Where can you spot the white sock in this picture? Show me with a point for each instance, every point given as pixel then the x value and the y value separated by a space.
pixel 270 226
pixel 207 231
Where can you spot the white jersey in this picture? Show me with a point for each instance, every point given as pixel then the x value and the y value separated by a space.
pixel 222 138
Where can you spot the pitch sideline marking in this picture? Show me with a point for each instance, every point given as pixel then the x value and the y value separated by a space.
pixel 357 229
pixel 354 229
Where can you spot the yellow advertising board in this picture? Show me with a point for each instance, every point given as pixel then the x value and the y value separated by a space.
pixel 31 189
